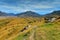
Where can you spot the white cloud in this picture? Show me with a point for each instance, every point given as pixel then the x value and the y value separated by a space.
pixel 29 5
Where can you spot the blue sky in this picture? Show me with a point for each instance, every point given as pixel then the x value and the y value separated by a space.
pixel 39 6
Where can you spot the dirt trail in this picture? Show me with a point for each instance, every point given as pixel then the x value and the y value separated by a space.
pixel 32 35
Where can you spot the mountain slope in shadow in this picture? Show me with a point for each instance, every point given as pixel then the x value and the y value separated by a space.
pixel 53 14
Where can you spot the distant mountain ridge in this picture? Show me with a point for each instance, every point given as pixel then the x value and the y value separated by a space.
pixel 53 14
pixel 2 13
pixel 6 14
pixel 31 14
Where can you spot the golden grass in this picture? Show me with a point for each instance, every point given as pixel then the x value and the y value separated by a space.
pixel 10 29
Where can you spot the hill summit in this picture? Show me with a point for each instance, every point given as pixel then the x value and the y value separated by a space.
pixel 28 14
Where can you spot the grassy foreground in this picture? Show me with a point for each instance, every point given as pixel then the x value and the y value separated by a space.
pixel 29 29
pixel 49 31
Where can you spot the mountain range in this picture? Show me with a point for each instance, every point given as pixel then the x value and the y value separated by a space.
pixel 30 14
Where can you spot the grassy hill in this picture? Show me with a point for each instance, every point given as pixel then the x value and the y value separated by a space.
pixel 12 27
pixel 29 29
pixel 48 31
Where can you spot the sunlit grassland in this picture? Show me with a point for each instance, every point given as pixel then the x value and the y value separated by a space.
pixel 48 31
pixel 38 30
